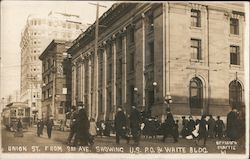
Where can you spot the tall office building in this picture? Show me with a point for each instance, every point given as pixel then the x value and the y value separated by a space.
pixel 37 34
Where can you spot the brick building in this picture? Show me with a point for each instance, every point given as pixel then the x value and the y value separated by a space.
pixel 56 76
pixel 192 53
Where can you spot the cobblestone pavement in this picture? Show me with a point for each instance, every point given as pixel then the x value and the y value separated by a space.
pixel 57 144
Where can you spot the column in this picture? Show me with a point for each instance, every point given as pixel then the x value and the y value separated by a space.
pixel 96 94
pixel 113 87
pixel 140 61
pixel 73 84
pixel 89 87
pixel 82 80
pixel 104 84
pixel 124 70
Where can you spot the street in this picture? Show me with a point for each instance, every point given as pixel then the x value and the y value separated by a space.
pixel 57 144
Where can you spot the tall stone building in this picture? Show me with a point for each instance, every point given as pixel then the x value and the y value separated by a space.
pixel 191 53
pixel 56 75
pixel 37 34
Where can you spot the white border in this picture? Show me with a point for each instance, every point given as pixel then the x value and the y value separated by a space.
pixel 159 156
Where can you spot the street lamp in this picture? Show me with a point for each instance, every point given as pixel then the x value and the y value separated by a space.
pixel 135 89
pixel 136 96
pixel 152 97
pixel 154 84
pixel 168 100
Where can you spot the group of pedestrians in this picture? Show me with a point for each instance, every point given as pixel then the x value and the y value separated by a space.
pixel 81 129
pixel 49 125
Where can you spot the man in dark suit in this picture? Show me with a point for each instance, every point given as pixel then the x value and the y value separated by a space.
pixel 50 124
pixel 233 124
pixel 169 127
pixel 82 127
pixel 135 120
pixel 120 125
pixel 73 117
pixel 203 130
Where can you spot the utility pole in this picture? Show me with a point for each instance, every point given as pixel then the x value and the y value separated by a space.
pixel 94 108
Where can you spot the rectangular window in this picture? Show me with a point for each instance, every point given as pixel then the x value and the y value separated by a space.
pixel 44 95
pixel 100 103
pixel 151 52
pixel 132 60
pixel 151 21
pixel 20 112
pixel 132 35
pixel 100 75
pixel 120 96
pixel 110 50
pixel 234 55
pixel 234 26
pixel 109 101
pixel 119 43
pixel 119 68
pixel 132 99
pixel 195 18
pixel 110 72
pixel 196 49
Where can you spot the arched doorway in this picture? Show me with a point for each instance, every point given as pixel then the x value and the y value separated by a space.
pixel 235 94
pixel 195 96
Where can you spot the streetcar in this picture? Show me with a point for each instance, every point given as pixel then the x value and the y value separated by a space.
pixel 15 111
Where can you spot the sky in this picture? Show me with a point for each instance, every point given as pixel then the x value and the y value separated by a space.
pixel 13 20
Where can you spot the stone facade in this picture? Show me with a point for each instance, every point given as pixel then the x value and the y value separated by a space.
pixel 147 52
pixel 56 75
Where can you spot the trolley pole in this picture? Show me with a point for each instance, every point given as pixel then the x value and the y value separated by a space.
pixel 94 108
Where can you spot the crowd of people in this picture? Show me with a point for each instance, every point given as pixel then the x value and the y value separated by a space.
pixel 133 125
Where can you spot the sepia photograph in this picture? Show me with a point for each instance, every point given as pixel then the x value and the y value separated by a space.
pixel 124 79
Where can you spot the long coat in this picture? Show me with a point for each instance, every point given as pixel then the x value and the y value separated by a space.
pixel 82 124
pixel 120 122
pixel 232 125
pixel 50 124
pixel 203 128
pixel 169 124
pixel 211 126
pixel 135 119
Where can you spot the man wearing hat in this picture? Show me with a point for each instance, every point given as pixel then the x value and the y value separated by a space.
pixel 73 117
pixel 203 130
pixel 120 125
pixel 233 124
pixel 135 120
pixel 82 126
pixel 168 126
pixel 50 124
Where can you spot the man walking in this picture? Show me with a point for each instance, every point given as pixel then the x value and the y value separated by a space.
pixel 168 127
pixel 82 127
pixel 203 130
pixel 211 126
pixel 120 125
pixel 232 124
pixel 135 120
pixel 73 117
pixel 219 126
pixel 50 124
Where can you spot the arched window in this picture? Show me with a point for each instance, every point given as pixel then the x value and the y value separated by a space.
pixel 235 94
pixel 195 93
